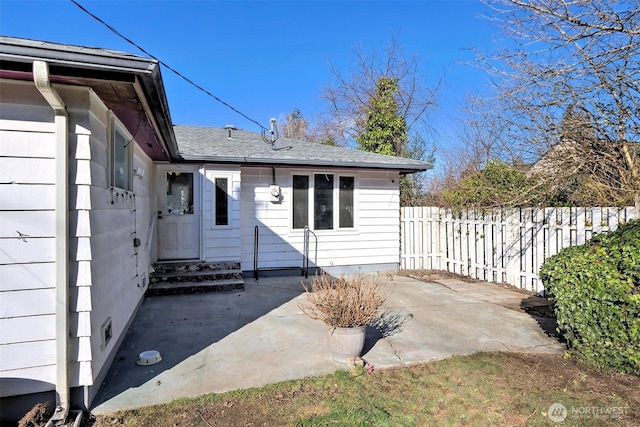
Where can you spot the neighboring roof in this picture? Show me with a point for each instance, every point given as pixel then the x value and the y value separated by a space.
pixel 208 144
pixel 125 73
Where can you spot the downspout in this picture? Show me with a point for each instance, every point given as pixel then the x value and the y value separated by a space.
pixel 41 80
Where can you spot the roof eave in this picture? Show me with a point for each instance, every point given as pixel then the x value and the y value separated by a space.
pixel 29 51
pixel 402 168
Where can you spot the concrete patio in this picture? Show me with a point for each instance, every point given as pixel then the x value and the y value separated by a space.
pixel 216 342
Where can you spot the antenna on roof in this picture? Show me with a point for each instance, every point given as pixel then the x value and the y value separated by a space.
pixel 274 134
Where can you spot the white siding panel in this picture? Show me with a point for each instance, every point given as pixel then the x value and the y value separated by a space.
pixel 374 240
pixel 80 249
pixel 28 303
pixel 14 197
pixel 27 354
pixel 81 373
pixel 81 150
pixel 16 382
pixel 222 243
pixel 25 329
pixel 80 273
pixel 80 197
pixel 80 299
pixel 80 172
pixel 16 251
pixel 27 144
pixel 31 223
pixel 27 276
pixel 82 324
pixel 80 223
pixel 115 218
pixel 26 128
pixel 27 171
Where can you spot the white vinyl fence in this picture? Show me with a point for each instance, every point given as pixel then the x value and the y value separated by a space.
pixel 502 246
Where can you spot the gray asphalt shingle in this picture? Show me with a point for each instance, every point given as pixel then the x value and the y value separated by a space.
pixel 215 145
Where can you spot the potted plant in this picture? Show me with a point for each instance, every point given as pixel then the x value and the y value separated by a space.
pixel 347 306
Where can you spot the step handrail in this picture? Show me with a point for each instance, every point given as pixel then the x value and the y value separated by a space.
pixel 305 250
pixel 256 235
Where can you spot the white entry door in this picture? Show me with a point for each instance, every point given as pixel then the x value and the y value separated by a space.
pixel 178 213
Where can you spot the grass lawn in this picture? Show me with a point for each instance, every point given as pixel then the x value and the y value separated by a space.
pixel 481 389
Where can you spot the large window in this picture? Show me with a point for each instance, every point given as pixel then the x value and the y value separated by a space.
pixel 323 202
pixel 330 200
pixel 121 160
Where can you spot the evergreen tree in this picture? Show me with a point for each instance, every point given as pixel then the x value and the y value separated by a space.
pixel 385 131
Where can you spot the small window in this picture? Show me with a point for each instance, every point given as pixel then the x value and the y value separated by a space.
pixel 121 161
pixel 222 201
pixel 345 202
pixel 300 201
pixel 323 202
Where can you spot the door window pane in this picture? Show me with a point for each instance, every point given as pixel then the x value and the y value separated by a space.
pixel 179 193
pixel 300 201
pixel 345 201
pixel 222 202
pixel 323 202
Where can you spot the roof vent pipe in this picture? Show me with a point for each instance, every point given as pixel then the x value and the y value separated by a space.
pixel 230 128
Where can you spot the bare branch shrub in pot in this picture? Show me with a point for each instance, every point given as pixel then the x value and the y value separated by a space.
pixel 345 302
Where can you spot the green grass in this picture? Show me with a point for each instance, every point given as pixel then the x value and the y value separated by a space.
pixel 477 390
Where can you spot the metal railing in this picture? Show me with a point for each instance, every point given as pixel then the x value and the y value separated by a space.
pixel 305 250
pixel 256 236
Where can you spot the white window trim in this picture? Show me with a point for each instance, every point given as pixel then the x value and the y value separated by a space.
pixel 336 201
pixel 116 126
pixel 212 179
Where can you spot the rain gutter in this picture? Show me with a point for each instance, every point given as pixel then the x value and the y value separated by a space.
pixel 403 168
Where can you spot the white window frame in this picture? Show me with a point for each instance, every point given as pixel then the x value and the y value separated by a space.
pixel 336 201
pixel 118 129
pixel 212 179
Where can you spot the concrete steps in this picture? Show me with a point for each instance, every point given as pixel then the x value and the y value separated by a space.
pixel 171 278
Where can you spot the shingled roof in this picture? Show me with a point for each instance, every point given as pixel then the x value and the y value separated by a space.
pixel 223 145
pixel 122 80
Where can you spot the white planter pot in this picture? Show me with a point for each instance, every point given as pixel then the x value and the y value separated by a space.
pixel 346 343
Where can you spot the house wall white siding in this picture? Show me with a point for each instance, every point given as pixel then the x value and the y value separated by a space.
pixel 107 274
pixel 221 242
pixel 373 243
pixel 27 244
pixel 108 221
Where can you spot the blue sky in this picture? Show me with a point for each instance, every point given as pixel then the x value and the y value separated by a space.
pixel 266 58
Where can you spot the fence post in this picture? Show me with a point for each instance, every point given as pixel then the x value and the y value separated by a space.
pixel 513 247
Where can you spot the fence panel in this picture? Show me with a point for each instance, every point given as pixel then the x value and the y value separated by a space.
pixel 507 246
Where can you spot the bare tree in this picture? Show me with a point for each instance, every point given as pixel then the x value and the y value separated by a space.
pixel 569 91
pixel 295 126
pixel 349 94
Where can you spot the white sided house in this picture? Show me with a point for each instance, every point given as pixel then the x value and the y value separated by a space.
pixel 260 201
pixel 99 192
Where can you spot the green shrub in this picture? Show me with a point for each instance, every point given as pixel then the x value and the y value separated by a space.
pixel 596 292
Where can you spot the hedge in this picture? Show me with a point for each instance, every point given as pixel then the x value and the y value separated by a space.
pixel 596 293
